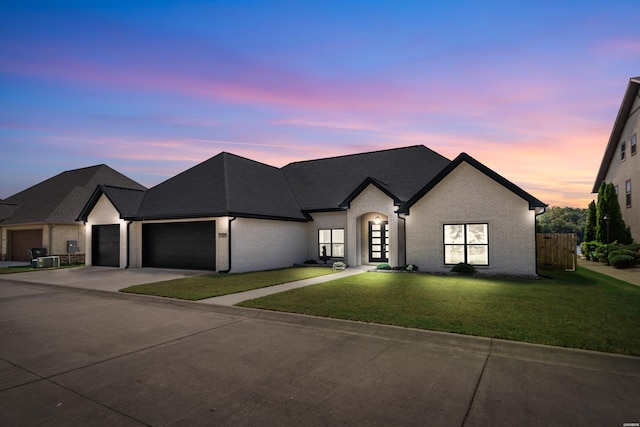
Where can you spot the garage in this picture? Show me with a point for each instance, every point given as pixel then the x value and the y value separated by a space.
pixel 22 241
pixel 187 245
pixel 105 244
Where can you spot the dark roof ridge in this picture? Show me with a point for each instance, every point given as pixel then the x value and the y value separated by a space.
pixel 358 154
pixel 117 187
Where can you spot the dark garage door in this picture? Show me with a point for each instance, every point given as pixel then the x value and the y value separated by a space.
pixel 190 245
pixel 22 241
pixel 105 245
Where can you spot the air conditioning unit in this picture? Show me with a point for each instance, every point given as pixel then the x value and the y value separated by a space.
pixel 48 261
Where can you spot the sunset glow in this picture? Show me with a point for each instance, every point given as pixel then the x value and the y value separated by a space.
pixel 153 88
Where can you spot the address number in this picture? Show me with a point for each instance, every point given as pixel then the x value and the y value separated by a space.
pixel 222 235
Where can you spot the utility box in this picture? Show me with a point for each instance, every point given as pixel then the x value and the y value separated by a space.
pixel 72 246
pixel 48 262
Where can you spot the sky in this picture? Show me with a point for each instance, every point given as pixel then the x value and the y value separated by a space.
pixel 531 89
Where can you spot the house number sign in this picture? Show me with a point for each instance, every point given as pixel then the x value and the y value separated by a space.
pixel 222 235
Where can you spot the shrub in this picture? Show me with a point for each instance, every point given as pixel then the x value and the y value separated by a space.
pixel 464 269
pixel 311 261
pixel 600 254
pixel 383 266
pixel 339 265
pixel 411 267
pixel 622 261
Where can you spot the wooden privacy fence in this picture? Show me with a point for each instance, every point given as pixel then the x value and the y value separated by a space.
pixel 557 250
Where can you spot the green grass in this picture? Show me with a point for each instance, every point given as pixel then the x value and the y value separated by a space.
pixel 582 309
pixel 213 285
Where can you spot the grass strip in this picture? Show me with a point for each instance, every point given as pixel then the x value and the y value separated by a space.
pixel 582 309
pixel 213 285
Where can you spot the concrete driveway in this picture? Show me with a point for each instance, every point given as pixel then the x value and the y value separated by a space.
pixel 102 278
pixel 68 357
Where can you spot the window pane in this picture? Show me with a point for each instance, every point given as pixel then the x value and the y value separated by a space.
pixel 324 248
pixel 453 254
pixel 324 236
pixel 477 234
pixel 478 254
pixel 338 235
pixel 338 250
pixel 454 234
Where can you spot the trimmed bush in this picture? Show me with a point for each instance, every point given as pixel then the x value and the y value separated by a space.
pixel 622 261
pixel 383 266
pixel 411 267
pixel 311 261
pixel 464 269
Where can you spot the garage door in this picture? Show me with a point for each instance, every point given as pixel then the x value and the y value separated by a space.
pixel 190 245
pixel 22 241
pixel 105 245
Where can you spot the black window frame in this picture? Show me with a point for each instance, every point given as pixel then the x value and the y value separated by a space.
pixel 330 245
pixel 466 244
pixel 627 192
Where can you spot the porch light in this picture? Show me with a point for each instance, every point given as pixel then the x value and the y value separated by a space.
pixel 377 220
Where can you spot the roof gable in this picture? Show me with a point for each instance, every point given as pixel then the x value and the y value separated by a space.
pixel 220 186
pixel 630 96
pixel 125 200
pixel 61 198
pixel 464 157
pixel 367 182
pixel 325 184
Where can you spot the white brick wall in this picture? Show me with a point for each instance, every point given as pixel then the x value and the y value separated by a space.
pixel 468 196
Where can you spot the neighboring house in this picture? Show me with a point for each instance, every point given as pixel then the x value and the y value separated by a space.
pixel 621 162
pixel 398 206
pixel 44 216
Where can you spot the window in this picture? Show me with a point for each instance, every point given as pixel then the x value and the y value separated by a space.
pixel 627 190
pixel 634 145
pixel 468 243
pixel 331 242
pixel 623 148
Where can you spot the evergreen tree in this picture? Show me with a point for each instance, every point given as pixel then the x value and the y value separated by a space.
pixel 590 226
pixel 608 205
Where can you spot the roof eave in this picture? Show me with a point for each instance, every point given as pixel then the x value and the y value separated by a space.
pixel 616 131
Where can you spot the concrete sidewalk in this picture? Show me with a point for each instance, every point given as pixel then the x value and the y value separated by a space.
pixel 233 299
pixel 630 275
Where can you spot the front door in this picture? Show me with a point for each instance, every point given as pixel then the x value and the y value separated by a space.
pixel 378 242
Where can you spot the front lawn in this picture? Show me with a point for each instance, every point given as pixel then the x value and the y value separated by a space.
pixel 582 309
pixel 214 285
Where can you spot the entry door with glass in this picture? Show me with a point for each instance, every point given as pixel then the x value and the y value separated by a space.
pixel 378 242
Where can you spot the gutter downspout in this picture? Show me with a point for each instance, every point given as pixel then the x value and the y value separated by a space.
pixel 535 235
pixel 229 244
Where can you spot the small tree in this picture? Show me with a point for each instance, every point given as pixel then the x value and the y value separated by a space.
pixel 590 226
pixel 608 205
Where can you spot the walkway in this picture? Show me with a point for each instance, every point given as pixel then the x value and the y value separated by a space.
pixel 630 275
pixel 233 299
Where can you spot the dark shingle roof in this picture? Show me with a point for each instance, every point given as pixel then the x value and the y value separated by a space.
pixel 61 198
pixel 621 120
pixel 464 157
pixel 223 185
pixel 325 184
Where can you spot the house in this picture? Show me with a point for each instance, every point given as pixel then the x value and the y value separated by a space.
pixel 621 163
pixel 44 215
pixel 398 206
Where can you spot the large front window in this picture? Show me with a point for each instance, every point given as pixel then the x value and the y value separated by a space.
pixel 331 242
pixel 468 243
